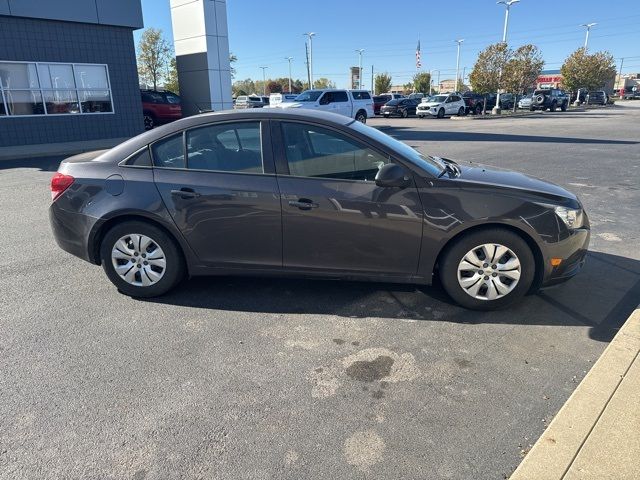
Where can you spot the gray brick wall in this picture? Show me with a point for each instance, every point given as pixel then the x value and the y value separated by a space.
pixel 54 41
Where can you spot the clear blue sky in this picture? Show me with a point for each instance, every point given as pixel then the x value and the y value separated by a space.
pixel 263 33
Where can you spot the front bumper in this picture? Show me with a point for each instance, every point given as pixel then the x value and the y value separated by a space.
pixel 572 251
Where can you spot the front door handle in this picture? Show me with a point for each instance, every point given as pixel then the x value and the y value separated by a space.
pixel 185 193
pixel 303 204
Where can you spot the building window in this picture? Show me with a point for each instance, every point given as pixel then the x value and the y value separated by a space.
pixel 35 88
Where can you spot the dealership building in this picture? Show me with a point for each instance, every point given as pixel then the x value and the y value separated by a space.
pixel 68 71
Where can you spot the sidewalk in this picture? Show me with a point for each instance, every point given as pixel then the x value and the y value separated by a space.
pixel 596 434
pixel 62 148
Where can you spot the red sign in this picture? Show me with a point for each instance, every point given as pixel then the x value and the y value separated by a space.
pixel 550 79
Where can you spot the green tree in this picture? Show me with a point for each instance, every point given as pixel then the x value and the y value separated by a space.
pixel 232 59
pixel 421 82
pixel 154 56
pixel 323 82
pixel 486 73
pixel 246 86
pixel 522 69
pixel 590 71
pixel 171 81
pixel 382 83
pixel 407 88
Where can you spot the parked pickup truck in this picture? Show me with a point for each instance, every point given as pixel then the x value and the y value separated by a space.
pixel 356 104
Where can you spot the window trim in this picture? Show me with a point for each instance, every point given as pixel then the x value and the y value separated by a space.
pixel 42 90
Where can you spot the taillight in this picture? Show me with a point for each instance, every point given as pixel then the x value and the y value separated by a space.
pixel 59 183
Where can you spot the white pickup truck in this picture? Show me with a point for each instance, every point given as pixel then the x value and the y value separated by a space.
pixel 356 104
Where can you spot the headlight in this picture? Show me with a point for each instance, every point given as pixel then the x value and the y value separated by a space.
pixel 573 218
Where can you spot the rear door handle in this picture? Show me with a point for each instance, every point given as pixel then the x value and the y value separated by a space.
pixel 303 204
pixel 185 193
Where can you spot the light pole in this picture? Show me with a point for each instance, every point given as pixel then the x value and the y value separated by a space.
pixel 507 3
pixel 264 81
pixel 289 60
pixel 310 35
pixel 459 42
pixel 360 50
pixel 586 38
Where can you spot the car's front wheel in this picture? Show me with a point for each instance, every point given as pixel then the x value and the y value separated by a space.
pixel 361 117
pixel 141 259
pixel 487 269
pixel 441 113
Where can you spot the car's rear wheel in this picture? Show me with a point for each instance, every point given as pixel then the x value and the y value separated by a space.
pixel 478 109
pixel 487 269
pixel 361 117
pixel 140 259
pixel 461 112
pixel 564 106
pixel 405 113
pixel 441 113
pixel 149 121
pixel 553 107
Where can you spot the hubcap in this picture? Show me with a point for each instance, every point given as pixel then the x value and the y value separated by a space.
pixel 138 260
pixel 489 271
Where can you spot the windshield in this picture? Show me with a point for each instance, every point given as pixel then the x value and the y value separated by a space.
pixel 438 98
pixel 426 163
pixel 309 96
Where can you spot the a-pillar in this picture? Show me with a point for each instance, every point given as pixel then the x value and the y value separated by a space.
pixel 201 42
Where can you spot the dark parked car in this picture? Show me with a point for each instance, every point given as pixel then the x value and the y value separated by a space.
pixel 597 97
pixel 474 102
pixel 311 194
pixel 506 101
pixel 160 107
pixel 402 107
pixel 379 101
pixel 550 98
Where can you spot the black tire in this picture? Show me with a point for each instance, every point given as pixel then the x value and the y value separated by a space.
pixel 361 116
pixel 564 106
pixel 448 267
pixel 461 112
pixel 174 269
pixel 441 113
pixel 553 107
pixel 405 113
pixel 532 109
pixel 478 109
pixel 149 121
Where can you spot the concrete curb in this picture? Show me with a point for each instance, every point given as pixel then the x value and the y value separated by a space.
pixel 584 439
pixel 62 148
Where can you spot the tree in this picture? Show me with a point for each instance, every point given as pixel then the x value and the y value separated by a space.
pixel 274 87
pixel 407 88
pixel 154 55
pixel 486 73
pixel 522 69
pixel 243 87
pixel 323 83
pixel 232 59
pixel 171 82
pixel 590 71
pixel 421 82
pixel 382 83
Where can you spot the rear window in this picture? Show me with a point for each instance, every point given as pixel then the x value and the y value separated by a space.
pixel 393 102
pixel 541 92
pixel 361 95
pixel 340 96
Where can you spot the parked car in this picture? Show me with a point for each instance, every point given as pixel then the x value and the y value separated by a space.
pixel 251 101
pixel 525 102
pixel 276 99
pixel 319 196
pixel 551 99
pixel 506 101
pixel 402 107
pixel 160 107
pixel 356 104
pixel 394 96
pixel 597 97
pixel 581 95
pixel 474 102
pixel 416 96
pixel 378 102
pixel 442 105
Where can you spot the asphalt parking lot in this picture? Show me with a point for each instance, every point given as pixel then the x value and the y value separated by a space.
pixel 232 378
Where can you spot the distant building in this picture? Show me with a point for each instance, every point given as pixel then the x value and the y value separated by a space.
pixel 628 82
pixel 549 79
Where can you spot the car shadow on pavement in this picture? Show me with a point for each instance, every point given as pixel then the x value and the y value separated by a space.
pixel 412 134
pixel 44 164
pixel 601 297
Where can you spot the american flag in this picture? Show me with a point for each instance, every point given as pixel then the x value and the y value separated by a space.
pixel 418 57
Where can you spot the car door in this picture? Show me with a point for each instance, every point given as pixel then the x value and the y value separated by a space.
pixel 217 181
pixel 342 104
pixel 334 217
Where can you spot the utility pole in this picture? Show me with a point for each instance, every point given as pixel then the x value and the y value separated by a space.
pixel 459 42
pixel 620 78
pixel 360 50
pixel 372 88
pixel 264 81
pixel 289 60
pixel 306 52
pixel 507 3
pixel 310 35
pixel 586 38
pixel 464 71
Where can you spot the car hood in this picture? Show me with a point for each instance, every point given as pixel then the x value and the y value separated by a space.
pixel 294 104
pixel 430 104
pixel 494 176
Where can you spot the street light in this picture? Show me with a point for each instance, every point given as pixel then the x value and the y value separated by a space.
pixel 459 42
pixel 507 3
pixel 360 50
pixel 310 35
pixel 264 81
pixel 289 60
pixel 586 38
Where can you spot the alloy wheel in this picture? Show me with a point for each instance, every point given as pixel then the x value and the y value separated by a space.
pixel 489 271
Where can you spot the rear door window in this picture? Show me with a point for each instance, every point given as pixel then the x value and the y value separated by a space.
pixel 340 96
pixel 169 152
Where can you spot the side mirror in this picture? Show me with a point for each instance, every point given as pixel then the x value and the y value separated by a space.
pixel 392 175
